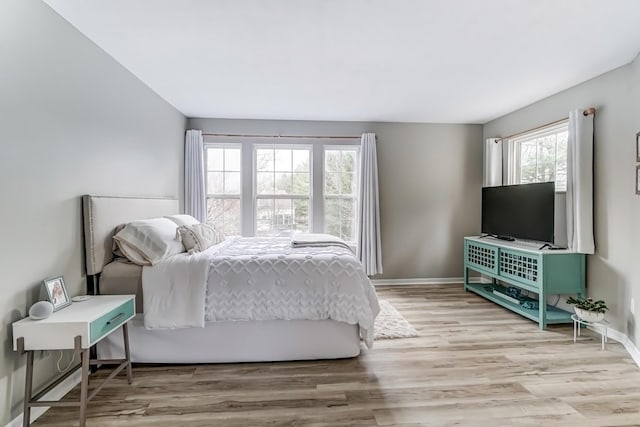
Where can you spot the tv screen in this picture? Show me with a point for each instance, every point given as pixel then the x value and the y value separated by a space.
pixel 524 211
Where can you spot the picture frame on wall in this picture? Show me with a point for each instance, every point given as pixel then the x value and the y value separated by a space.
pixel 638 147
pixel 57 292
pixel 638 179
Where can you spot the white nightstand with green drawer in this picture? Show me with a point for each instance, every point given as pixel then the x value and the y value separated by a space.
pixel 77 327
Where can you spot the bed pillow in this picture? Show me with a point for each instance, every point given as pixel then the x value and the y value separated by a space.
pixel 132 254
pixel 117 253
pixel 198 237
pixel 183 219
pixel 149 240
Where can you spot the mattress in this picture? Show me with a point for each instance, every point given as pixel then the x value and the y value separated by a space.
pixel 121 277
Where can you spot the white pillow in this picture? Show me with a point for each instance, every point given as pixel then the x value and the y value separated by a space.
pixel 198 237
pixel 150 240
pixel 131 253
pixel 183 219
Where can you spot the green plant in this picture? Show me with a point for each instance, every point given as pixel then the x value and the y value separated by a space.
pixel 588 304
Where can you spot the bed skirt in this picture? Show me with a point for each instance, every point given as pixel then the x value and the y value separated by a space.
pixel 231 342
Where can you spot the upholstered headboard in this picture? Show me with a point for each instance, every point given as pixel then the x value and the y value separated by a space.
pixel 102 214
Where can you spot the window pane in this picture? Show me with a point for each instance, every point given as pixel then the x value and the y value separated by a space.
pixel 546 158
pixel 528 162
pixel 232 159
pixel 214 159
pixel 283 217
pixel 301 184
pixel 279 217
pixel 265 183
pixel 215 183
pixel 332 161
pixel 561 161
pixel 232 182
pixel 224 214
pixel 348 183
pixel 332 217
pixel 346 226
pixel 349 161
pixel 264 160
pixel 300 160
pixel 283 183
pixel 331 183
pixel 283 160
pixel 231 224
pixel 264 216
pixel 301 215
pixel 215 212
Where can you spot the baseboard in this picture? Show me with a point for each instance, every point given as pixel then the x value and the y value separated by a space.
pixel 625 341
pixel 427 281
pixel 57 393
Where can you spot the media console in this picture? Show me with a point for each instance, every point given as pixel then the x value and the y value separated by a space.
pixel 544 272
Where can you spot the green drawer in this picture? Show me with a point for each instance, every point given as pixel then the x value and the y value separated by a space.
pixel 110 321
pixel 522 266
pixel 481 257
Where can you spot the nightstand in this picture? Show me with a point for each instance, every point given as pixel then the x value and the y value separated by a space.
pixel 77 327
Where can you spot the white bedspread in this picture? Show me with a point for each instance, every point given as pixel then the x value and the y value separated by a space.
pixel 259 279
pixel 302 240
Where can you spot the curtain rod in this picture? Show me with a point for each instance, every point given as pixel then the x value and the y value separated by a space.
pixel 234 135
pixel 589 111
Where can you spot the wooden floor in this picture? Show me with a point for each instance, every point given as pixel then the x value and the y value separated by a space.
pixel 474 364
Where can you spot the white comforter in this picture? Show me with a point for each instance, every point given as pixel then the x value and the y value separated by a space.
pixel 259 279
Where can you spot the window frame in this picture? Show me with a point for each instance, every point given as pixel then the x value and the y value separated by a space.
pixel 254 170
pixel 222 196
pixel 248 174
pixel 354 197
pixel 514 166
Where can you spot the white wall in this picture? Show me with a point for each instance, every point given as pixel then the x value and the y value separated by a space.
pixel 613 273
pixel 72 121
pixel 430 180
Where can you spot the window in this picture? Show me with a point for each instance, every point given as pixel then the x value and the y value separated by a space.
pixel 256 188
pixel 283 190
pixel 223 187
pixel 540 156
pixel 340 192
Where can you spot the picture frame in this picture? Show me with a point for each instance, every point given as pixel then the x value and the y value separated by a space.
pixel 638 147
pixel 57 292
pixel 638 179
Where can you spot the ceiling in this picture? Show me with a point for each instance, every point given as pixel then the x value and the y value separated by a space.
pixel 437 61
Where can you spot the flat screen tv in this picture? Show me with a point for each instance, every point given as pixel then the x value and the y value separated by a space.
pixel 524 211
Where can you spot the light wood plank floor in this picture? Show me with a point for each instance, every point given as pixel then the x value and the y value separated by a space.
pixel 474 364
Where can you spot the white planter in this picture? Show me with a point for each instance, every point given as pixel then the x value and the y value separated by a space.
pixel 589 316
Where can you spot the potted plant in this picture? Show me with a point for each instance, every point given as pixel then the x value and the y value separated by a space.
pixel 587 309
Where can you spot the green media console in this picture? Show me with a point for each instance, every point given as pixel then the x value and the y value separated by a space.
pixel 541 271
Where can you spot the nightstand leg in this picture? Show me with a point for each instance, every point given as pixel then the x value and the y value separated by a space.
pixel 84 386
pixel 26 413
pixel 127 354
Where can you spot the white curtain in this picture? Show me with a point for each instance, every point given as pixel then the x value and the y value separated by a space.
pixel 369 245
pixel 492 163
pixel 580 183
pixel 195 200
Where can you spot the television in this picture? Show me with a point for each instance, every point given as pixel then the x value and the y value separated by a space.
pixel 524 211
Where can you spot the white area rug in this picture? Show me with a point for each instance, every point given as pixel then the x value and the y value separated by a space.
pixel 390 324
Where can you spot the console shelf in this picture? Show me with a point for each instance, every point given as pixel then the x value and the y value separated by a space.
pixel 545 272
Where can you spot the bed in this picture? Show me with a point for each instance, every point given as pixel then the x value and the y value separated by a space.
pixel 218 340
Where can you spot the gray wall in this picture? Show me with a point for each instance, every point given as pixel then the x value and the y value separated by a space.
pixel 430 180
pixel 72 121
pixel 613 273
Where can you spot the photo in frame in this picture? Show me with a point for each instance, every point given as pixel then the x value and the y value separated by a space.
pixel 57 292
pixel 638 179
